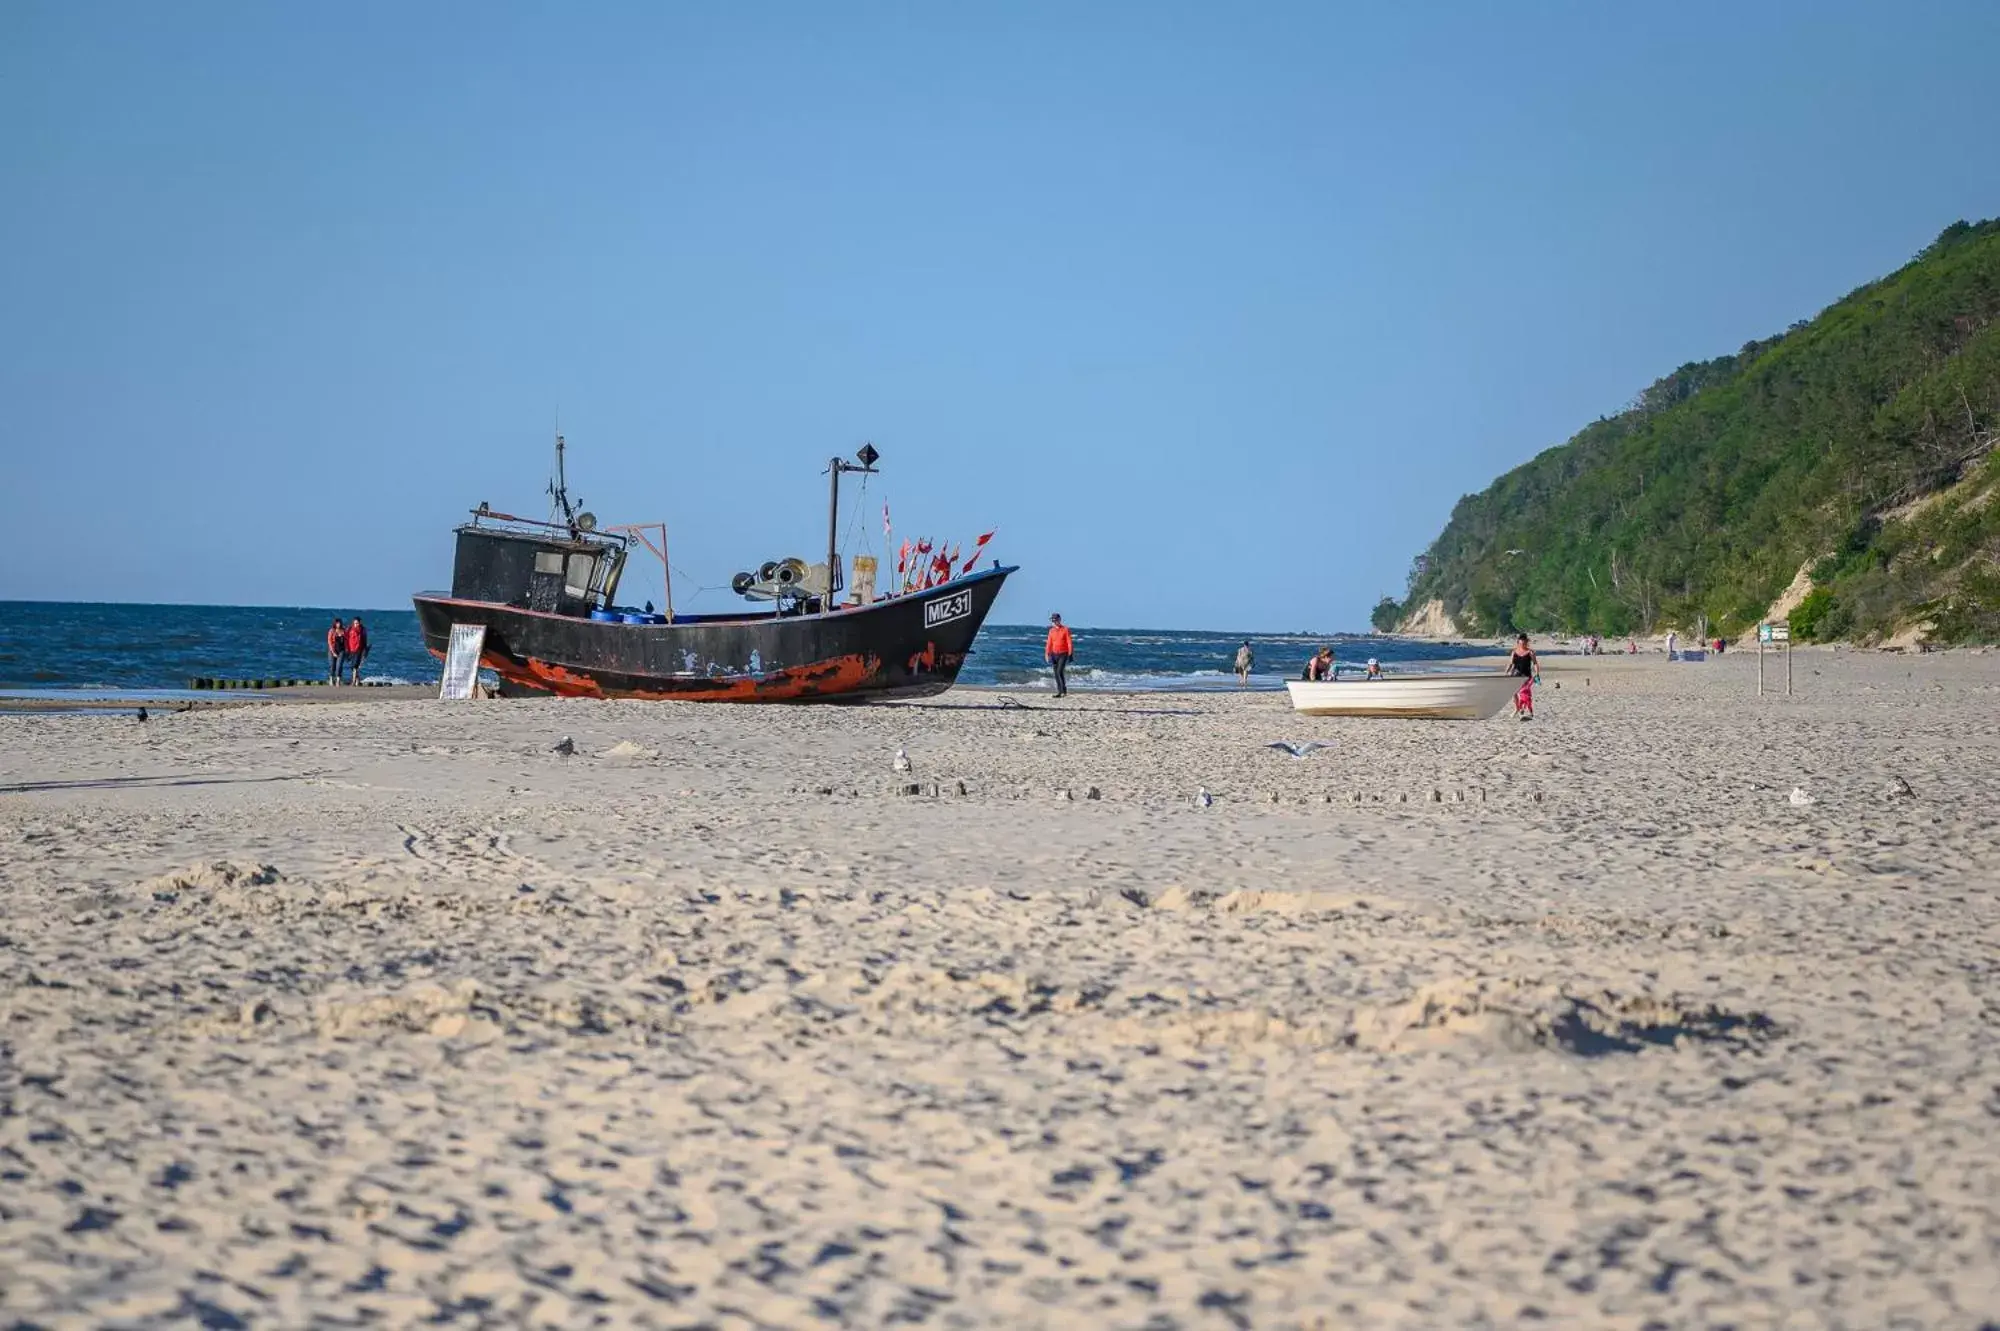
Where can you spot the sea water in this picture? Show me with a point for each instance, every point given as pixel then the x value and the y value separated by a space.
pixel 56 647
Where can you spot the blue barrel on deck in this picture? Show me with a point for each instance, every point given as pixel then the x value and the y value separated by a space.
pixel 605 616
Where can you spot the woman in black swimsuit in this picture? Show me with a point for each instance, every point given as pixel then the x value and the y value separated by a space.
pixel 1523 665
pixel 1523 662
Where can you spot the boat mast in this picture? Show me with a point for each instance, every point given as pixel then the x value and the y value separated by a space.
pixel 864 463
pixel 559 487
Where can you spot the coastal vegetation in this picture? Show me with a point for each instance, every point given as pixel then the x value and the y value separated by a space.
pixel 1857 446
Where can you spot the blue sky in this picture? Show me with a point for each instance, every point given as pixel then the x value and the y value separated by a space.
pixel 1213 311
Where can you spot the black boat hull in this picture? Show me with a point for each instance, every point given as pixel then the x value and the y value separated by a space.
pixel 908 647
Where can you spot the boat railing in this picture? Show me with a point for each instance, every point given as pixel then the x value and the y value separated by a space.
pixel 487 519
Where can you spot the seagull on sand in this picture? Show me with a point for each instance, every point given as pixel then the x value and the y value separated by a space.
pixel 902 763
pixel 1202 799
pixel 1298 749
pixel 565 746
pixel 1799 798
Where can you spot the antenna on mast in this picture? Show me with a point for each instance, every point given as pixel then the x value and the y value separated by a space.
pixel 559 487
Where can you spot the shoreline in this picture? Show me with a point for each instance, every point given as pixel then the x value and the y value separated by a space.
pixel 170 701
pixel 167 701
pixel 175 701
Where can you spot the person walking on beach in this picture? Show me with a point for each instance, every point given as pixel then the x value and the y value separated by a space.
pixel 1673 644
pixel 1058 651
pixel 357 648
pixel 1523 665
pixel 336 651
pixel 1245 658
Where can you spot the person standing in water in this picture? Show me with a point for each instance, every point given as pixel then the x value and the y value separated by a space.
pixel 1245 659
pixel 336 651
pixel 1058 652
pixel 357 648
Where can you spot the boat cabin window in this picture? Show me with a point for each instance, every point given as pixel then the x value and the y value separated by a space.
pixel 582 570
pixel 548 561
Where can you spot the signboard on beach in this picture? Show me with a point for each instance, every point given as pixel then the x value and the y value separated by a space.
pixel 1770 635
pixel 461 661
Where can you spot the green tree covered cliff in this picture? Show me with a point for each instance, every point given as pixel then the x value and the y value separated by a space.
pixel 1859 442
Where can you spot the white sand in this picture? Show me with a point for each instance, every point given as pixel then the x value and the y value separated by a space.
pixel 1610 1032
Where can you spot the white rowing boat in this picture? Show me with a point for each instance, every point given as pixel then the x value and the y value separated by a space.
pixel 1455 697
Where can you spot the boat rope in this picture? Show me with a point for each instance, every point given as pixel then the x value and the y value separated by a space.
pixel 860 535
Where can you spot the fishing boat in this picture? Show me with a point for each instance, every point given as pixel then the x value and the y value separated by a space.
pixel 1465 697
pixel 540 600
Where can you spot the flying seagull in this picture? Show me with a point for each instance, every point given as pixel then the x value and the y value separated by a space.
pixel 1296 748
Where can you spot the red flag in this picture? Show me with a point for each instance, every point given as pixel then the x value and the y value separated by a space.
pixel 977 546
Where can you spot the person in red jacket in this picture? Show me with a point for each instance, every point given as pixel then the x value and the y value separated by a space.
pixel 1057 652
pixel 357 648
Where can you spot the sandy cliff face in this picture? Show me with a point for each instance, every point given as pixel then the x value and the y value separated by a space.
pixel 1781 609
pixel 1429 621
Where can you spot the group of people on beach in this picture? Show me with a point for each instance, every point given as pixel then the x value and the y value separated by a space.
pixel 1322 667
pixel 346 650
pixel 1319 666
pixel 1060 648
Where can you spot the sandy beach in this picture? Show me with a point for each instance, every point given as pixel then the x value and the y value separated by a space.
pixel 386 1013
